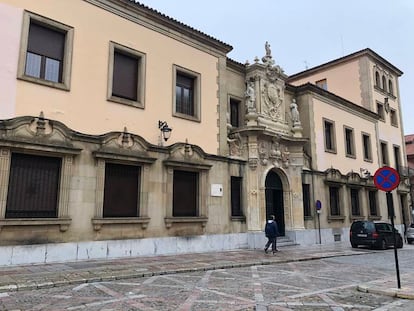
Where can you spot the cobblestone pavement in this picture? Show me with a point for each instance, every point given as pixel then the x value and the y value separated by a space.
pixel 320 284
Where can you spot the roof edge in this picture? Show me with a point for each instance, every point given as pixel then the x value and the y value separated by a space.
pixel 347 58
pixel 162 19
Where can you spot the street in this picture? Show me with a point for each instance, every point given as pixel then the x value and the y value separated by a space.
pixel 322 284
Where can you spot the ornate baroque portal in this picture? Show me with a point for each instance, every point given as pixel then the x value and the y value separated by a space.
pixel 272 143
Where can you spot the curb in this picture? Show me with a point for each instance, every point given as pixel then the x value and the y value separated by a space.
pixel 88 276
pixel 404 293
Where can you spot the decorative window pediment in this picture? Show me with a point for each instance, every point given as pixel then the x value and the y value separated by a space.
pixel 125 147
pixel 38 134
pixel 333 175
pixel 187 156
pixel 353 178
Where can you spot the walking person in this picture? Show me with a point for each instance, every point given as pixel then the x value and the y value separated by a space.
pixel 271 231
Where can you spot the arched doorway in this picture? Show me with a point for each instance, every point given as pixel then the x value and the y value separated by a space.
pixel 274 200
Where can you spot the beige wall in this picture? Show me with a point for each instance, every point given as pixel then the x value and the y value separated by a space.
pixel 10 29
pixel 341 118
pixel 85 108
pixel 342 80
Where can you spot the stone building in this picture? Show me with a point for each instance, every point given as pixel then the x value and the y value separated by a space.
pixel 125 132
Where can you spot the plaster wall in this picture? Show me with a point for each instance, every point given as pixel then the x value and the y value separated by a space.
pixel 341 118
pixel 10 30
pixel 85 108
pixel 342 80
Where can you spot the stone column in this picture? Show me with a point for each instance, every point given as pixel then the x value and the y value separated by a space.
pixel 5 159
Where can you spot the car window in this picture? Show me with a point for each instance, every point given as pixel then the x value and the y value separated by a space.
pixel 365 226
pixel 380 227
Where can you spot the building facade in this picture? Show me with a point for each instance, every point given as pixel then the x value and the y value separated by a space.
pixel 111 146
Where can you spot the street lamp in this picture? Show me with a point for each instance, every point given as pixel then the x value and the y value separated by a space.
pixel 165 130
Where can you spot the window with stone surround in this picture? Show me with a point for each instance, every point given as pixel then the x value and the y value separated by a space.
pixel 126 79
pixel 235 110
pixel 393 117
pixel 186 99
pixel 307 212
pixel 236 196
pixel 366 145
pixel 329 135
pixel 384 153
pixel 372 201
pixel 46 51
pixel 121 176
pixel 37 188
pixel 121 181
pixel 334 201
pixel 349 142
pixel 355 205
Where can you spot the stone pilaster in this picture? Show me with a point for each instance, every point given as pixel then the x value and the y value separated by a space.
pixel 5 159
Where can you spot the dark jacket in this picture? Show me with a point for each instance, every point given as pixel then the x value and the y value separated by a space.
pixel 271 229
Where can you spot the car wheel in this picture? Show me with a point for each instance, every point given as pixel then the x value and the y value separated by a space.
pixel 354 245
pixel 383 244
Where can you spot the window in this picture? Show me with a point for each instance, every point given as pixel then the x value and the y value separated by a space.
pixel 384 153
pixel 366 143
pixel 323 84
pixel 393 117
pixel 33 186
pixel 397 158
pixel 121 181
pixel 334 201
pixel 355 202
pixel 349 142
pixel 329 132
pixel 187 94
pixel 390 87
pixel 126 79
pixel 384 83
pixel 377 79
pixel 234 112
pixel 236 199
pixel 372 198
pixel 380 111
pixel 46 51
pixel 306 200
pixel 185 194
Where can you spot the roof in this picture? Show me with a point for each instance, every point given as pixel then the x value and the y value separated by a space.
pixel 365 52
pixel 409 144
pixel 343 101
pixel 162 19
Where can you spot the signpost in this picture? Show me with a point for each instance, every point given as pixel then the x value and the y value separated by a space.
pixel 387 179
pixel 318 205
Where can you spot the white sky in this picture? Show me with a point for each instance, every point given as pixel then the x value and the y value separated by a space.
pixel 308 32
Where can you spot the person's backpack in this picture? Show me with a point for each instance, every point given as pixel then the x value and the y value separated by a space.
pixel 268 229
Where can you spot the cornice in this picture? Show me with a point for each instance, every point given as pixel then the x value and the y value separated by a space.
pixel 154 20
pixel 339 101
pixel 365 52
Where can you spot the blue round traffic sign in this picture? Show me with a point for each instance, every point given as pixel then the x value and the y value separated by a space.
pixel 386 178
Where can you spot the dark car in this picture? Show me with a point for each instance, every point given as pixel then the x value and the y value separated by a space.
pixel 374 234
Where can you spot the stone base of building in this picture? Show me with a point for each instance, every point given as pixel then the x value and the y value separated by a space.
pixel 89 250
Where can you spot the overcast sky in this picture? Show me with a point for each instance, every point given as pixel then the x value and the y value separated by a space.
pixel 304 33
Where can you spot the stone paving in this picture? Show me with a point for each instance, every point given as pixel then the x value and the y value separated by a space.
pixel 293 279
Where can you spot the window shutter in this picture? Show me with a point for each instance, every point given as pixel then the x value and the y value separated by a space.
pixel 125 76
pixel 121 190
pixel 46 41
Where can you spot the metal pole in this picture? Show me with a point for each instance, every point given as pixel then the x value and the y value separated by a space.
pixel 319 226
pixel 390 206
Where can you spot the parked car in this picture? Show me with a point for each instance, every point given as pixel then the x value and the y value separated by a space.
pixel 374 234
pixel 410 234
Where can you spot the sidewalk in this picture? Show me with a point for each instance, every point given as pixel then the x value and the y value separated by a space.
pixel 29 277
